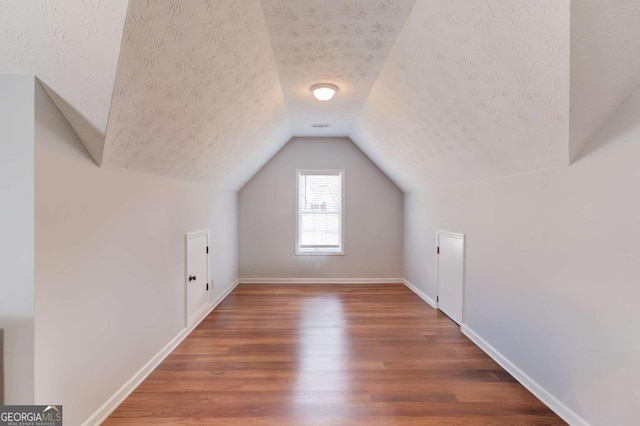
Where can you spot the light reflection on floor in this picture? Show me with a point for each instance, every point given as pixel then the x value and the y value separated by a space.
pixel 322 355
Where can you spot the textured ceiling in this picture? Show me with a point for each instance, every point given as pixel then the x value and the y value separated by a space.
pixel 197 94
pixel 435 92
pixel 72 46
pixel 344 42
pixel 471 90
pixel 605 63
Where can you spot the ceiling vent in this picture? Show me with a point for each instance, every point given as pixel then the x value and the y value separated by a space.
pixel 321 125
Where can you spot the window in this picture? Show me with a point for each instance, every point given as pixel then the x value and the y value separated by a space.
pixel 319 211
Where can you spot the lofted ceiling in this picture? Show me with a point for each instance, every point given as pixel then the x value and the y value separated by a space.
pixel 197 94
pixel 343 42
pixel 72 46
pixel 435 92
pixel 471 90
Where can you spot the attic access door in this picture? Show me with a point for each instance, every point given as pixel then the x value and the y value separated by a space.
pixel 197 274
pixel 450 274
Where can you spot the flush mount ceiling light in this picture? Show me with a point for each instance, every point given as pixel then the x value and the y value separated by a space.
pixel 324 91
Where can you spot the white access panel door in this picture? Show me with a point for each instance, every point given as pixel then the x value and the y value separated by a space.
pixel 197 278
pixel 450 274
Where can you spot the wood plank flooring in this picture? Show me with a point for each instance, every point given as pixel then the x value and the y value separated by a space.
pixel 329 355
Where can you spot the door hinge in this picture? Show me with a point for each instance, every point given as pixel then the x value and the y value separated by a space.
pixel 437 299
pixel 438 250
pixel 207 286
pixel 207 249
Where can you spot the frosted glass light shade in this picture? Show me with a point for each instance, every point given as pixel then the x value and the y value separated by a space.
pixel 324 92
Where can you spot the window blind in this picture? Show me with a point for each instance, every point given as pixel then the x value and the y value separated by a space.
pixel 320 205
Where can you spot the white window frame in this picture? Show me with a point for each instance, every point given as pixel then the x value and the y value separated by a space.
pixel 319 251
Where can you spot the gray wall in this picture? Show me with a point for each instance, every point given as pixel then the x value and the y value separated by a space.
pixel 552 269
pixel 110 259
pixel 373 209
pixel 16 235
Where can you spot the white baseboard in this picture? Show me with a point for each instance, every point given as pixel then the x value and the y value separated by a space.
pixel 121 394
pixel 541 393
pixel 199 316
pixel 422 295
pixel 321 280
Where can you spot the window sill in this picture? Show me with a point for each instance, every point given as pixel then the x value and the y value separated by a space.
pixel 319 253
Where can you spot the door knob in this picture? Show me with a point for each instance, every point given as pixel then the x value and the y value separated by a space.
pixel 192 277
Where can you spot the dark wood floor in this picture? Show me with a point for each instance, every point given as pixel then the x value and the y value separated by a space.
pixel 329 355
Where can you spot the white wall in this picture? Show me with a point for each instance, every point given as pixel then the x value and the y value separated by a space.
pixel 16 234
pixel 373 221
pixel 552 269
pixel 110 256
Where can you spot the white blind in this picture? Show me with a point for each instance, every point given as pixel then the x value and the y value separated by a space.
pixel 320 211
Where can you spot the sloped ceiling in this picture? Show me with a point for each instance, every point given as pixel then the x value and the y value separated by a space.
pixel 197 94
pixel 72 46
pixel 344 42
pixel 605 63
pixel 435 92
pixel 471 90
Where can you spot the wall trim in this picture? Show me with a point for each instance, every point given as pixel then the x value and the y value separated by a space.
pixel 321 280
pixel 101 414
pixel 199 316
pixel 422 295
pixel 564 412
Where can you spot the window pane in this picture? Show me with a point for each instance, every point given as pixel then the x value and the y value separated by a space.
pixel 320 210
